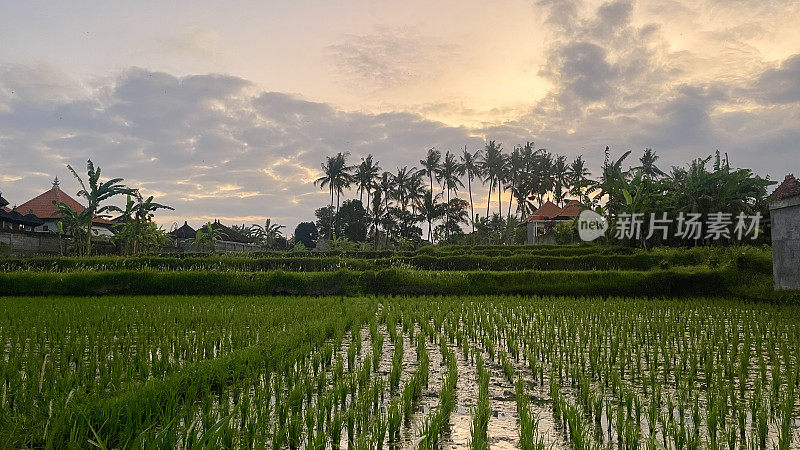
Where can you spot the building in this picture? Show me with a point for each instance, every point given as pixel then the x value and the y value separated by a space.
pixel 784 210
pixel 546 216
pixel 229 239
pixel 42 206
pixel 14 221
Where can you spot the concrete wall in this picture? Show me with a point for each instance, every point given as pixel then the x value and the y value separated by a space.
pixel 29 243
pixel 534 235
pixel 235 247
pixel 785 217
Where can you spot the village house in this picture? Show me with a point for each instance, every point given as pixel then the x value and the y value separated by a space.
pixel 543 219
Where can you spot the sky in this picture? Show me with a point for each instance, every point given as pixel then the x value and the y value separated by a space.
pixel 225 110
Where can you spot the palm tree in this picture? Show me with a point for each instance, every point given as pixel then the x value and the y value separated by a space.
pixel 516 171
pixel 648 167
pixel 450 174
pixel 416 191
pixel 95 195
pixel 492 166
pixel 402 183
pixel 470 163
pixel 386 186
pixel 377 213
pixel 430 165
pixel 365 175
pixel 560 178
pixel 578 174
pixel 431 211
pixel 338 176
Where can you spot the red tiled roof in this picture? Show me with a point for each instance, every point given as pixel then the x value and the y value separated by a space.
pixel 572 209
pixel 42 206
pixel 547 211
pixel 789 188
pixel 550 211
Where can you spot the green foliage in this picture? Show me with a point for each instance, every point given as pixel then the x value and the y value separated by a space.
pixel 306 233
pixel 655 283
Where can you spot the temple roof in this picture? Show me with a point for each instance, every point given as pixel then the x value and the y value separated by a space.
pixel 184 232
pixel 42 205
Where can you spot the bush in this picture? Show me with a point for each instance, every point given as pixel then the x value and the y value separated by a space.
pixel 656 283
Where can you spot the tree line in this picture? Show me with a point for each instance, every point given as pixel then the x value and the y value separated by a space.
pixel 517 183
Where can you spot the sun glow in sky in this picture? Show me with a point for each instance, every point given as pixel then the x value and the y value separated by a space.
pixel 226 109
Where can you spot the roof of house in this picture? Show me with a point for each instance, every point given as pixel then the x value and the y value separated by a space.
pixel 550 211
pixel 788 188
pixel 229 234
pixel 184 232
pixel 572 209
pixel 15 217
pixel 3 202
pixel 42 205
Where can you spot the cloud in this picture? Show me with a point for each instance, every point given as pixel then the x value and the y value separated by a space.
pixel 389 58
pixel 209 144
pixel 780 85
pixel 218 146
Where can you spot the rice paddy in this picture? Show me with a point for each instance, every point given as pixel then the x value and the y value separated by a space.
pixel 399 372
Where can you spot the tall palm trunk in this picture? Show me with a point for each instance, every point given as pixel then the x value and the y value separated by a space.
pixel 511 197
pixel 447 215
pixel 500 197
pixel 489 202
pixel 471 206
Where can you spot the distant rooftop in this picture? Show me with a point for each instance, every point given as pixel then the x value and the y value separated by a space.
pixel 42 205
pixel 790 187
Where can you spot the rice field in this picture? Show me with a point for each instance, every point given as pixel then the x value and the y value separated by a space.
pixel 398 372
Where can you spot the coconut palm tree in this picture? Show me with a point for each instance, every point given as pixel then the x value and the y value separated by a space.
pixel 386 187
pixel 430 165
pixel 376 213
pixel 560 178
pixel 492 165
pixel 648 167
pixel 416 191
pixel 338 175
pixel 515 175
pixel 431 211
pixel 365 175
pixel 450 173
pixel 402 181
pixel 470 163
pixel 96 194
pixel 578 177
